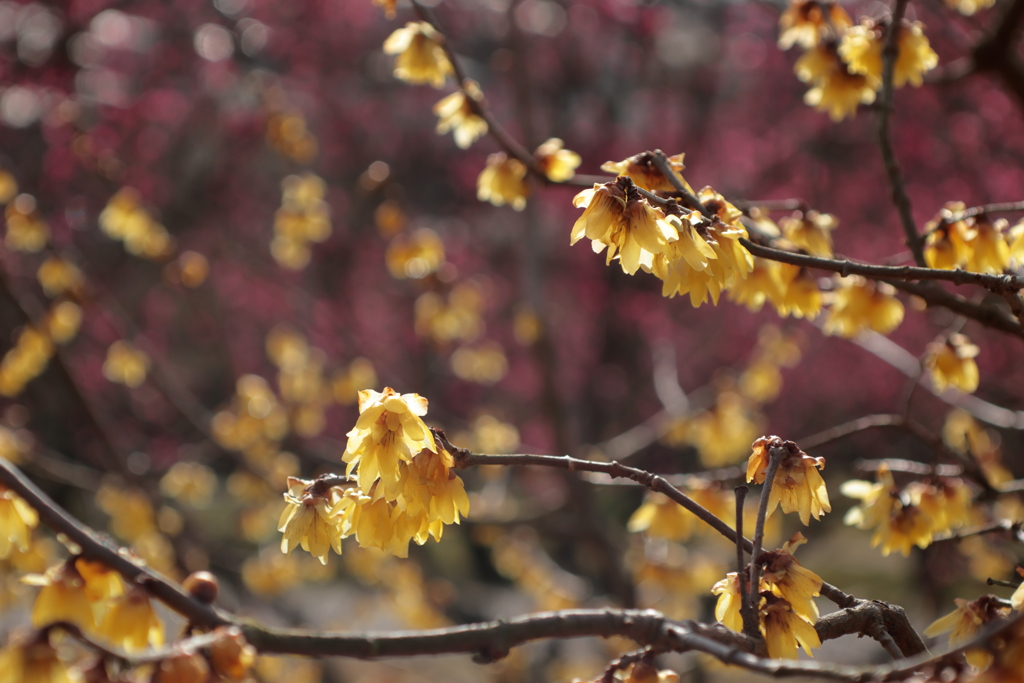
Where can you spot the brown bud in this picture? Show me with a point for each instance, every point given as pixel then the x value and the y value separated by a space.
pixel 183 667
pixel 202 586
pixel 231 656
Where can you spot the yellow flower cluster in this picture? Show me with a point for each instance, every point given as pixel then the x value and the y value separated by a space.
pixel 26 229
pixel 859 304
pixel 556 162
pixel 458 319
pixel 662 517
pixel 722 435
pixel 843 62
pixel 414 255
pixel 689 253
pixel 126 364
pixel 34 661
pixel 133 519
pixel 951 363
pixel 792 290
pixel 25 361
pixel 966 622
pixel 811 231
pixel 458 113
pixel 17 520
pixel 420 56
pixel 254 423
pixel 58 276
pixel 304 218
pixel 289 135
pixel 124 219
pixel 786 611
pixel 482 363
pixel 406 487
pixel 977 243
pixel 797 486
pixel 903 519
pixel 300 379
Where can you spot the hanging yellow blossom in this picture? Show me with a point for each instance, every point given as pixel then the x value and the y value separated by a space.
pixel 62 597
pixel 860 304
pixel 947 244
pixel 458 113
pixel 101 582
pixel 35 661
pixel 835 89
pixel 17 519
pixel 679 265
pixel 797 486
pixel 763 283
pixel 785 631
pixel 989 252
pixel 966 621
pixel 801 297
pixel 231 655
pixel 307 521
pixel 788 579
pixel 556 162
pixel 617 217
pixel 951 364
pixel 662 517
pixel 414 255
pixel 862 47
pixel 130 622
pixel 390 430
pixel 811 231
pixel 898 524
pixel 946 503
pixel 806 22
pixel 125 364
pixel 722 435
pixel 641 170
pixel 421 59
pixel 727 609
pixel 503 181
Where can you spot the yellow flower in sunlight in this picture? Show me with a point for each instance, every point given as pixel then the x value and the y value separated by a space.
pixel 785 631
pixel 617 217
pixel 230 655
pixel 59 276
pixel 788 579
pixel 17 519
pixel 812 231
pixel 662 517
pixel 797 487
pixel 859 304
pixel 63 321
pixel 806 22
pixel 130 622
pixel 414 255
pixel 484 364
pixel 389 430
pixel 62 597
pixel 722 435
pixel 906 527
pixel 431 491
pixel 641 170
pixel 458 113
pixel 951 364
pixel 26 230
pixel 801 297
pixel 834 88
pixel 877 500
pixel 421 59
pixel 969 7
pixel 989 252
pixel 947 244
pixel 503 181
pixel 307 521
pixel 862 47
pixel 101 582
pixel 965 623
pixel 947 503
pixel 727 609
pixel 763 283
pixel 125 364
pixel 556 162
pixel 191 483
pixel 35 661
pixel 184 666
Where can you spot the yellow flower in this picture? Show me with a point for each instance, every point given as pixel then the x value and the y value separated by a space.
pixel 307 521
pixel 965 623
pixel 184 666
pixel 951 364
pixel 811 231
pixel 556 162
pixel 458 113
pixel 231 655
pixel 390 430
pixel 641 170
pixel 763 283
pixel 62 597
pixel 730 261
pixel 503 181
pixel 877 500
pixel 17 519
pixel 191 483
pixel 26 230
pixel 130 622
pixel 989 252
pixel 801 297
pixel 62 322
pixel 662 517
pixel 727 609
pixel 834 88
pixel 861 304
pixel 722 435
pixel 946 503
pixel 125 364
pixel 101 582
pixel 862 47
pixel 797 486
pixel 617 217
pixel 788 579
pixel 947 245
pixel 414 255
pixel 58 276
pixel 805 23
pixel 899 525
pixel 34 662
pixel 784 630
pixel 421 59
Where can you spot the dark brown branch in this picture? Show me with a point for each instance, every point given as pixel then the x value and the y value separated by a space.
pixel 885 106
pixel 775 455
pixel 662 164
pixel 988 316
pixel 1005 525
pixel 1001 207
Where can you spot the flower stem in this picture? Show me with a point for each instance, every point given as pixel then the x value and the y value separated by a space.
pixel 775 454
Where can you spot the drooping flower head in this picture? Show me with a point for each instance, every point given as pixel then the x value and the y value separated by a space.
pixel 503 181
pixel 811 231
pixel 784 630
pixel 807 22
pixel 788 579
pixel 641 170
pixel 862 47
pixel 951 363
pixel 989 251
pixel 557 163
pixel 727 609
pixel 458 113
pixel 859 304
pixel 947 245
pixel 966 621
pixel 797 487
pixel 421 59
pixel 835 88
pixel 307 519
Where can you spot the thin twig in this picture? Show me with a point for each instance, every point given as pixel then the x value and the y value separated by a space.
pixel 852 427
pixel 775 455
